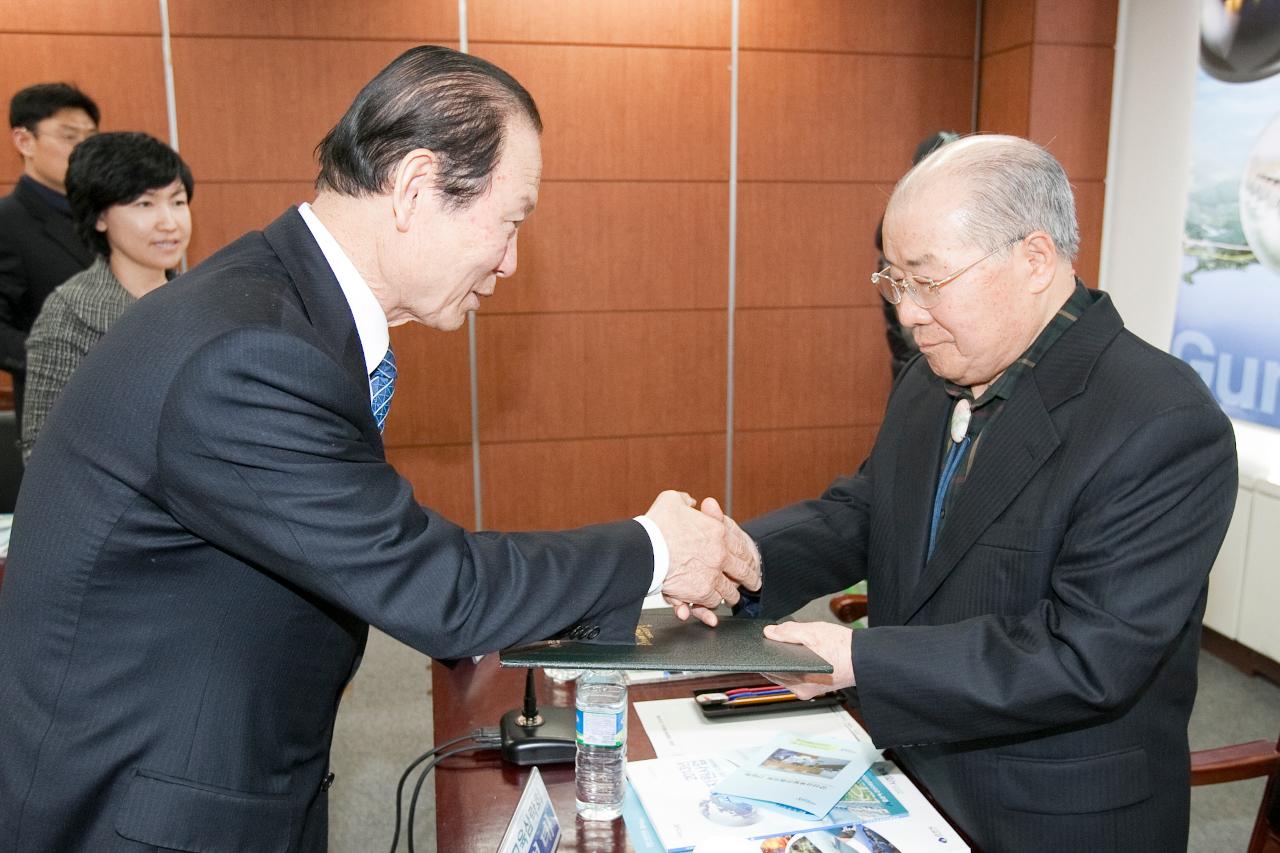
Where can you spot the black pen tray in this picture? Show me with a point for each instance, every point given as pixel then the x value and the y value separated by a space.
pixel 720 712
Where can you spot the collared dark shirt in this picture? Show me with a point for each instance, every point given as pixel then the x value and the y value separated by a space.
pixel 988 407
pixel 53 198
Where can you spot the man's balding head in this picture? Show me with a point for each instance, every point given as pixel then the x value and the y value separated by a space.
pixel 1011 187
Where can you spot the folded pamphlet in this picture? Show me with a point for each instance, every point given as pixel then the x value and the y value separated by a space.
pixel 807 774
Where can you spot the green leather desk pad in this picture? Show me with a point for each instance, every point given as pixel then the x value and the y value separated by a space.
pixel 664 642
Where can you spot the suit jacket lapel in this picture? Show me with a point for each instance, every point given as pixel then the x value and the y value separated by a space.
pixel 1012 450
pixel 1016 445
pixel 322 297
pixel 917 461
pixel 57 227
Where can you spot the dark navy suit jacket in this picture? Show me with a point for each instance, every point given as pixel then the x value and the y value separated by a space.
pixel 206 530
pixel 1037 673
pixel 39 250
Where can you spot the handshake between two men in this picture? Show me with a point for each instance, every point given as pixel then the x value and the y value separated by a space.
pixel 711 557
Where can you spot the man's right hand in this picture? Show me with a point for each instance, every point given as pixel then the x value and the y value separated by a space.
pixel 709 559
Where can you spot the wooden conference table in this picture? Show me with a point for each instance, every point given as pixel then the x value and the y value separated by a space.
pixel 476 793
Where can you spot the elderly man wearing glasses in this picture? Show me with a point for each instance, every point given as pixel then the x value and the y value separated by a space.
pixel 1036 523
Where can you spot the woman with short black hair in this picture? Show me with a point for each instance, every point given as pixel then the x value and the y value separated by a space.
pixel 129 195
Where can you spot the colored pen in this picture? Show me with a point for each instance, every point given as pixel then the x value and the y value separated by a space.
pixel 762 690
pixel 746 699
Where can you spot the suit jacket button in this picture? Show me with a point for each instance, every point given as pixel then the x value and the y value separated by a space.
pixel 327 783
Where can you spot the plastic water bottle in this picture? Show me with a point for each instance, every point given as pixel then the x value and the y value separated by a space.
pixel 562 676
pixel 602 744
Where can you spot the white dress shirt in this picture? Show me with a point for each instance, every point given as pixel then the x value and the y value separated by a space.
pixel 371 326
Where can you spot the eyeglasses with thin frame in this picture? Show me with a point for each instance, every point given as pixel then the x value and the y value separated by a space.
pixel 922 289
pixel 66 135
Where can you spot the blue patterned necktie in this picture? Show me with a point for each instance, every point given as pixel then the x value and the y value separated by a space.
pixel 382 384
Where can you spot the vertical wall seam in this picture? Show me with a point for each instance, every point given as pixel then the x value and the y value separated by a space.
pixel 1031 71
pixel 733 255
pixel 473 349
pixel 170 98
pixel 463 43
pixel 977 69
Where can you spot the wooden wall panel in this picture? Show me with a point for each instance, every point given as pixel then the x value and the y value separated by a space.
pixel 808 244
pixel 222 212
pixel 778 467
pixel 810 367
pixel 417 20
pixel 669 23
pixel 432 402
pixel 99 17
pixel 1073 22
pixel 603 365
pixel 622 113
pixel 1004 100
pixel 593 375
pixel 1006 24
pixel 621 246
pixel 834 97
pixel 1071 106
pixel 254 109
pixel 843 117
pixel 441 476
pixel 554 484
pixel 123 74
pixel 1046 74
pixel 1089 202
pixel 926 27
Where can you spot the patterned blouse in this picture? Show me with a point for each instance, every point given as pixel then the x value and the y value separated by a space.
pixel 73 319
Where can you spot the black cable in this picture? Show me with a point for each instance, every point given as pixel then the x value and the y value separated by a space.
pixel 487 737
pixel 422 777
pixel 395 838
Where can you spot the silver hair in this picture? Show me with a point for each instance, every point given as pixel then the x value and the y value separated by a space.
pixel 1014 187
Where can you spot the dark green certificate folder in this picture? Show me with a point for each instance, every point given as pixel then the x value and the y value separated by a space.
pixel 664 642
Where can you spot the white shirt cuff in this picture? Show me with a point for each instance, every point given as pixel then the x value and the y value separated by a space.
pixel 661 556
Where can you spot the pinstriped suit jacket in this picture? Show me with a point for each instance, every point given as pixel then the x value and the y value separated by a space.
pixel 1037 672
pixel 191 580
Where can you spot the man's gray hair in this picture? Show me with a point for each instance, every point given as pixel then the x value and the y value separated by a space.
pixel 1014 187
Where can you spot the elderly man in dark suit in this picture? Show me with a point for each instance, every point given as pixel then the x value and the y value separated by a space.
pixel 39 248
pixel 192 575
pixel 1036 522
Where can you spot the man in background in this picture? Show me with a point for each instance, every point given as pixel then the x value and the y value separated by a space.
pixel 39 247
pixel 209 524
pixel 1036 523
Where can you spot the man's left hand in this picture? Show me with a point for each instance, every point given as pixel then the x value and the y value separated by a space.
pixel 833 643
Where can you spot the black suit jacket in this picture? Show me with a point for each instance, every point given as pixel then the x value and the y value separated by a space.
pixel 1039 671
pixel 39 250
pixel 206 530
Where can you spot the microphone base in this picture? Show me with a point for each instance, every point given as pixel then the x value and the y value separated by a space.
pixel 553 742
